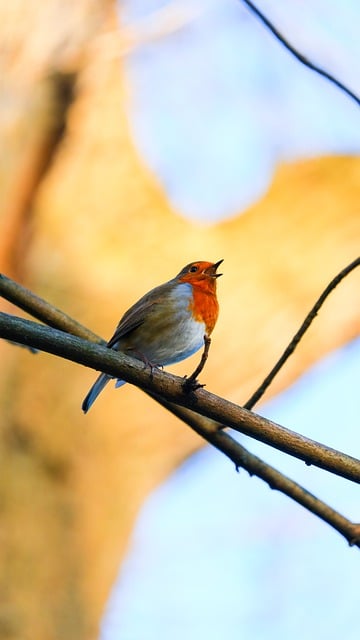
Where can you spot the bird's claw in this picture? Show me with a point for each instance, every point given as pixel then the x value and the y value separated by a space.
pixel 191 384
pixel 147 363
pixel 153 367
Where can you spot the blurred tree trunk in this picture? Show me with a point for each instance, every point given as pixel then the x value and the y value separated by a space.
pixel 44 50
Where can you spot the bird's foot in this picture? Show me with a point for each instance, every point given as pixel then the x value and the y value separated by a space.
pixel 145 360
pixel 152 366
pixel 191 384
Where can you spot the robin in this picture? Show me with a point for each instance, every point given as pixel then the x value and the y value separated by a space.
pixel 168 324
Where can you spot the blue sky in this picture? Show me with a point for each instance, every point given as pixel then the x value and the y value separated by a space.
pixel 214 551
pixel 213 108
pixel 215 105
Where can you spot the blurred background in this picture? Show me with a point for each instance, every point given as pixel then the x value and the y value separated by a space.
pixel 137 137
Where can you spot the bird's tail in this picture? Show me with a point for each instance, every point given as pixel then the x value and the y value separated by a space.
pixel 97 388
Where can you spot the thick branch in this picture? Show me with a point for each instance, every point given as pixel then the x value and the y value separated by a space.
pixel 42 310
pixel 170 388
pixel 211 431
pixel 206 428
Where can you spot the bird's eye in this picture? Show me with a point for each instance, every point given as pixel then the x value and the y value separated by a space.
pixel 193 269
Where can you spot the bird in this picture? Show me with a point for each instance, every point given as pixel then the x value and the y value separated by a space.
pixel 168 324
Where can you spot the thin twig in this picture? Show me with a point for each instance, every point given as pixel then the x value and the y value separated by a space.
pixel 298 55
pixel 299 334
pixel 191 383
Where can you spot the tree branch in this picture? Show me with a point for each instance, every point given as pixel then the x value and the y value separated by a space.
pixel 42 310
pixel 170 387
pixel 298 55
pixel 211 431
pixel 299 334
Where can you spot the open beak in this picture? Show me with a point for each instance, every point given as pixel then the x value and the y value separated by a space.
pixel 211 271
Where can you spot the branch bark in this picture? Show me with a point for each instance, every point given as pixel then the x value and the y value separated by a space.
pixel 210 430
pixel 170 387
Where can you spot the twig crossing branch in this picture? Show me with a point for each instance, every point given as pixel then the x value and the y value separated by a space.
pixel 168 390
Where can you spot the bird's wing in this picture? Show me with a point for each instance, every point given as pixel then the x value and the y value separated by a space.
pixel 135 316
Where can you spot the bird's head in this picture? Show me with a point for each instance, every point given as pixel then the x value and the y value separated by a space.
pixel 200 272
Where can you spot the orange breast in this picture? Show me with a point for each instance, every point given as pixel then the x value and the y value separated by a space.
pixel 204 305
